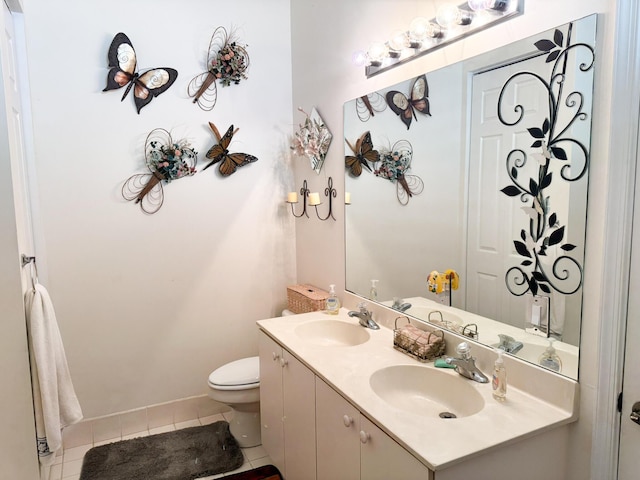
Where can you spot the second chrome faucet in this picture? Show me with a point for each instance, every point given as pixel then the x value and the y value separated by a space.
pixel 365 316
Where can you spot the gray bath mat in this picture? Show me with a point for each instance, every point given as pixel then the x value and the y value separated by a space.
pixel 184 454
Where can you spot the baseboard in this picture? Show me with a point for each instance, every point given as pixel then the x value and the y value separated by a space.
pixel 120 425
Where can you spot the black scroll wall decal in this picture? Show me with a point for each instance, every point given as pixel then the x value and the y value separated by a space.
pixel 552 145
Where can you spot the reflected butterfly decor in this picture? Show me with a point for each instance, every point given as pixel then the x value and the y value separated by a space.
pixel 147 85
pixel 368 105
pixel 363 155
pixel 394 166
pixel 405 106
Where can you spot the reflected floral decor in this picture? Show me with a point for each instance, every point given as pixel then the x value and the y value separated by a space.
pixel 394 166
pixel 312 140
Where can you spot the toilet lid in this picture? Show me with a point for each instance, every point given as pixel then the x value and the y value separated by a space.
pixel 245 371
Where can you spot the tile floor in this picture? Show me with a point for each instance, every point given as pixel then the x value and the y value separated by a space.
pixel 68 464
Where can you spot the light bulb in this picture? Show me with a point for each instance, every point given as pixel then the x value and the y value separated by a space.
pixel 418 31
pixel 359 58
pixel 398 41
pixel 377 52
pixel 447 15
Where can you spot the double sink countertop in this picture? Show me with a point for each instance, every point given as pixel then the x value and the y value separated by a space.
pixel 537 400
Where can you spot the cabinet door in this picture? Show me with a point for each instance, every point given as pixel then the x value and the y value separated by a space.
pixel 271 399
pixel 337 434
pixel 299 419
pixel 382 458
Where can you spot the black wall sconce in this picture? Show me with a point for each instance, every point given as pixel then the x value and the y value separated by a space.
pixel 313 200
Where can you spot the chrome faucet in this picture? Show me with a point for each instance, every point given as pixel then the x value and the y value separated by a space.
pixel 509 344
pixel 465 364
pixel 400 305
pixel 365 316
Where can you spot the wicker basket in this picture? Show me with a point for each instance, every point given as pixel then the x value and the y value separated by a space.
pixel 419 344
pixel 306 298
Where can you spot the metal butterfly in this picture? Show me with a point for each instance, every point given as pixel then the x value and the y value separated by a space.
pixel 368 105
pixel 219 153
pixel 395 165
pixel 122 60
pixel 166 160
pixel 417 100
pixel 363 153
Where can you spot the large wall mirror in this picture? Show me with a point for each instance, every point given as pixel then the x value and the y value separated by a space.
pixel 493 155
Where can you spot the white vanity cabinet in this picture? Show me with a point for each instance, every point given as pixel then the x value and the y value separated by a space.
pixel 351 447
pixel 287 410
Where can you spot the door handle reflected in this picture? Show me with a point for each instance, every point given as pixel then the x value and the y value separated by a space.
pixel 635 413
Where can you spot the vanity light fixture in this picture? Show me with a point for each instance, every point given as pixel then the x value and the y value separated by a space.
pixel 312 199
pixel 451 23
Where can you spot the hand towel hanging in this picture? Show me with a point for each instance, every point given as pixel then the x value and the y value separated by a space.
pixel 55 402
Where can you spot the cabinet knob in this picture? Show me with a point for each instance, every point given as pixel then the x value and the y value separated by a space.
pixel 283 362
pixel 275 356
pixel 364 436
pixel 347 420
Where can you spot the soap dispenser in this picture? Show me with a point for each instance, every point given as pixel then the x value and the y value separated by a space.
pixel 373 293
pixel 499 381
pixel 332 305
pixel 550 359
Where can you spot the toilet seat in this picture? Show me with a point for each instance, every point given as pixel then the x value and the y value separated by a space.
pixel 240 374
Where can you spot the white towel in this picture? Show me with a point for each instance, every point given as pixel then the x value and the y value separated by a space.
pixel 55 401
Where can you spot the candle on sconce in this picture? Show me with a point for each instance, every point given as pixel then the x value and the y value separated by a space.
pixel 314 198
pixel 292 197
pixel 347 198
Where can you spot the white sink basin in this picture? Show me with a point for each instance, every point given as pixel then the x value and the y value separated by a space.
pixel 332 333
pixel 427 391
pixel 423 313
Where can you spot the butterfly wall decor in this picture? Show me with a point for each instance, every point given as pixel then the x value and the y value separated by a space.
pixel 227 61
pixel 394 166
pixel 405 106
pixel 368 105
pixel 363 154
pixel 122 62
pixel 219 153
pixel 166 160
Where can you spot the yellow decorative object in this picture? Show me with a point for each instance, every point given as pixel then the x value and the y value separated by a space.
pixel 435 282
pixel 453 278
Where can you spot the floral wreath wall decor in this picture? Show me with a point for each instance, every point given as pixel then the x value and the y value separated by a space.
pixel 312 139
pixel 227 62
pixel 167 161
pixel 552 145
pixel 363 155
pixel 394 166
pixel 122 62
pixel 219 153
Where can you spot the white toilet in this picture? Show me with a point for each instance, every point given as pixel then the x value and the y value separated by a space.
pixel 237 384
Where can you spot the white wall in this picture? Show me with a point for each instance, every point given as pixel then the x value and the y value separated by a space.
pixel 326 33
pixel 149 305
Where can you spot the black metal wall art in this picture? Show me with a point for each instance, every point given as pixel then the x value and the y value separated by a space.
pixel 553 144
